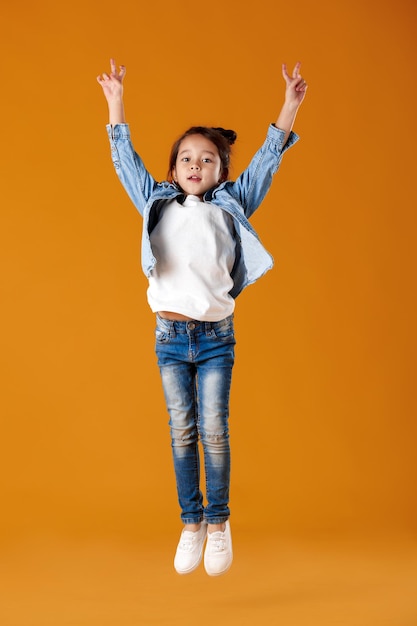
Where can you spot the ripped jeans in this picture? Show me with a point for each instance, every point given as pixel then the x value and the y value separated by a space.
pixel 196 360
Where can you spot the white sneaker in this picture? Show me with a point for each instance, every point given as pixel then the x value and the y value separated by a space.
pixel 190 550
pixel 218 556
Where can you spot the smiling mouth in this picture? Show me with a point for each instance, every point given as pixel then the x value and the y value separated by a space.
pixel 194 178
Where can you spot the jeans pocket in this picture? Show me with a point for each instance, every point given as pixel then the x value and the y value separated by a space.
pixel 161 336
pixel 224 330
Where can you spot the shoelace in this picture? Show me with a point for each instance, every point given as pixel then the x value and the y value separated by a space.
pixel 187 540
pixel 217 542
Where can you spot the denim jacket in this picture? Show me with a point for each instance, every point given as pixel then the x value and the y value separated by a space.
pixel 240 199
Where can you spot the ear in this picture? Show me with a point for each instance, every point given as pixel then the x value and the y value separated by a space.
pixel 174 175
pixel 223 175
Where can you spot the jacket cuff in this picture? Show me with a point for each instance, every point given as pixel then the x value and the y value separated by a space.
pixel 118 131
pixel 277 136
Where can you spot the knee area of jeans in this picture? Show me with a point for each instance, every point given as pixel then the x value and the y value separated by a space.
pixel 184 439
pixel 214 438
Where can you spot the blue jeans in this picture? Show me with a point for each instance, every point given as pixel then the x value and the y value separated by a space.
pixel 196 360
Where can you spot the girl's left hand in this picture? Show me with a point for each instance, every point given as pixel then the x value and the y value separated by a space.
pixel 296 85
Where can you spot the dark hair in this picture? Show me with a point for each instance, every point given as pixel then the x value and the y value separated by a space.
pixel 222 139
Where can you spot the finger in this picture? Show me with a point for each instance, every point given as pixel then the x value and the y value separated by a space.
pixel 122 71
pixel 298 81
pixel 296 70
pixel 104 79
pixel 285 74
pixel 302 86
pixel 112 66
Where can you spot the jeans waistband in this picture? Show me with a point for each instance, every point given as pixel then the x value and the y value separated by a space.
pixel 191 325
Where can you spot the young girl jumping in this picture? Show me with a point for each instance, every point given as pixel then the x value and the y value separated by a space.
pixel 199 251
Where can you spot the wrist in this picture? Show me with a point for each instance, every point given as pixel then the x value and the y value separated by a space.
pixel 290 107
pixel 115 100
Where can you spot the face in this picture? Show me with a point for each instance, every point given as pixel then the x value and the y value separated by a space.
pixel 198 166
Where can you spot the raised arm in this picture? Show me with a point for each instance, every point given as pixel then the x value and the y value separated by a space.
pixel 295 91
pixel 112 85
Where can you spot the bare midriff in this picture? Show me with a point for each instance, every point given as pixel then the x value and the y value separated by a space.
pixel 177 317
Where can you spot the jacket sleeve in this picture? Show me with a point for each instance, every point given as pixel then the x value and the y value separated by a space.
pixel 253 184
pixel 135 178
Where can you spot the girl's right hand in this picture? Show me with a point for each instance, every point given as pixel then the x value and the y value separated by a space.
pixel 112 83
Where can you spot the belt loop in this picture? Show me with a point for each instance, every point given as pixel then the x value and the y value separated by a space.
pixel 172 331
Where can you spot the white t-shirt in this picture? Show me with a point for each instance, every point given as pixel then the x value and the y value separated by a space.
pixel 194 247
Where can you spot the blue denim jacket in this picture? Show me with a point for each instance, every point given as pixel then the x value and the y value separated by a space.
pixel 240 199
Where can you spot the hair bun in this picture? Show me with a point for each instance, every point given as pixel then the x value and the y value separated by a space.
pixel 230 135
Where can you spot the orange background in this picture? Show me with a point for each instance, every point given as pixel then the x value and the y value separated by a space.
pixel 323 401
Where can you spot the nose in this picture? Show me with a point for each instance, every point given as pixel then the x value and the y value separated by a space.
pixel 195 166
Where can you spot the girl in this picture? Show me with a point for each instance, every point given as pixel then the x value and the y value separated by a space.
pixel 199 251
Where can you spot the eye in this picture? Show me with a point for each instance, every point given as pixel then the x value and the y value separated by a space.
pixel 185 159
pixel 207 160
